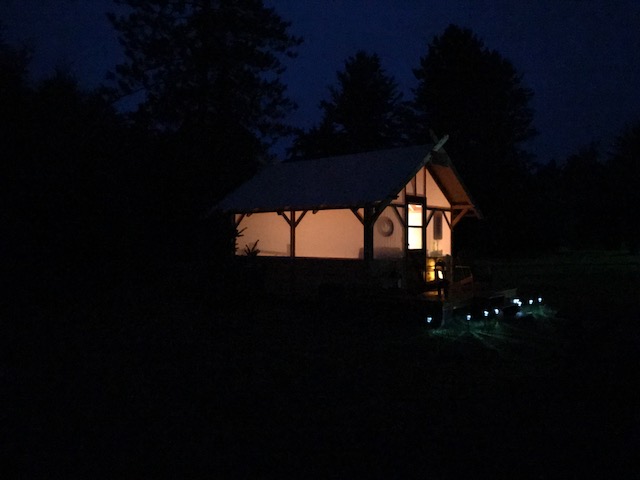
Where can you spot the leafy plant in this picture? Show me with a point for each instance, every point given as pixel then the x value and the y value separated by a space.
pixel 253 250
pixel 236 235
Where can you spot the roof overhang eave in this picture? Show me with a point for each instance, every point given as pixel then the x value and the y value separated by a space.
pixel 471 210
pixel 301 208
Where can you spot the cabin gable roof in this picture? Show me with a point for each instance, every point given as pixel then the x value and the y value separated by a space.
pixel 348 181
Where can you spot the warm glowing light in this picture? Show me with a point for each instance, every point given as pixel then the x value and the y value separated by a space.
pixel 415 238
pixel 415 209
pixel 415 224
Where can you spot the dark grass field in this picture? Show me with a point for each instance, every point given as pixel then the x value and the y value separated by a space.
pixel 167 374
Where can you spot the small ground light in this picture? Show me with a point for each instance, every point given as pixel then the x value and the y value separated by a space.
pixel 496 311
pixel 530 302
pixel 539 299
pixel 486 313
pixel 468 316
pixel 429 319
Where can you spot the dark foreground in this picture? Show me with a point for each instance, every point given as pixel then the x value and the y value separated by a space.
pixel 158 375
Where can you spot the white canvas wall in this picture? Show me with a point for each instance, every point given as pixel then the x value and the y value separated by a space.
pixel 435 197
pixel 339 234
pixel 444 245
pixel 325 234
pixel 388 235
pixel 270 229
pixel 330 234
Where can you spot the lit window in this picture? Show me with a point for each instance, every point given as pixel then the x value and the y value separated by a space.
pixel 414 225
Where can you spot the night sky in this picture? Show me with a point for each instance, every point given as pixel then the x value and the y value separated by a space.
pixel 581 57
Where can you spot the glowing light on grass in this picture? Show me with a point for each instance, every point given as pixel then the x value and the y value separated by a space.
pixel 468 317
pixel 485 313
pixel 539 299
pixel 429 319
pixel 530 301
pixel 496 311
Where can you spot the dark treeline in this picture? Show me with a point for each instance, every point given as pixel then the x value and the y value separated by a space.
pixel 95 194
pixel 477 97
pixel 92 193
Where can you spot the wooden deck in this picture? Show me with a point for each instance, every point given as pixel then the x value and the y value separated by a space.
pixel 375 283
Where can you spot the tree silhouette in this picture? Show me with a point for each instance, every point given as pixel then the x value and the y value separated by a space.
pixel 625 177
pixel 209 72
pixel 585 201
pixel 68 204
pixel 476 96
pixel 14 92
pixel 205 63
pixel 363 112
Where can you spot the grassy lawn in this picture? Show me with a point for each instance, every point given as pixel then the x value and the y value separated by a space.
pixel 162 374
pixel 577 284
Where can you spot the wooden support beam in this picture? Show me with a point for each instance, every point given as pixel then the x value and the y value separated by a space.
pixel 424 182
pixel 292 233
pixel 304 212
pixel 357 214
pixel 429 217
pixel 398 215
pixel 293 223
pixel 446 219
pixel 438 207
pixel 440 144
pixel 369 219
pixel 286 219
pixel 458 216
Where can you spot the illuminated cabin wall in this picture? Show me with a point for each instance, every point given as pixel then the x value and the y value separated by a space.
pixel 270 229
pixel 416 184
pixel 391 245
pixel 339 234
pixel 440 247
pixel 325 234
pixel 388 235
pixel 435 198
pixel 330 234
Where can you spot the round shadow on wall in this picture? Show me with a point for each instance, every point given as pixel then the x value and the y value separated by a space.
pixel 385 226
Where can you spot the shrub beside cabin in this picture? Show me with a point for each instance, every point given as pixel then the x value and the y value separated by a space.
pixel 380 219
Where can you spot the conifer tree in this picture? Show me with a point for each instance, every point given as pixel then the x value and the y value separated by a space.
pixel 364 112
pixel 208 72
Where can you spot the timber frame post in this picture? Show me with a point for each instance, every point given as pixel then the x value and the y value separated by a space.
pixel 293 223
pixel 368 221
pixel 292 233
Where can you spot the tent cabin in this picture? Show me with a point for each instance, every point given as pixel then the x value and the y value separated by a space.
pixel 380 218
